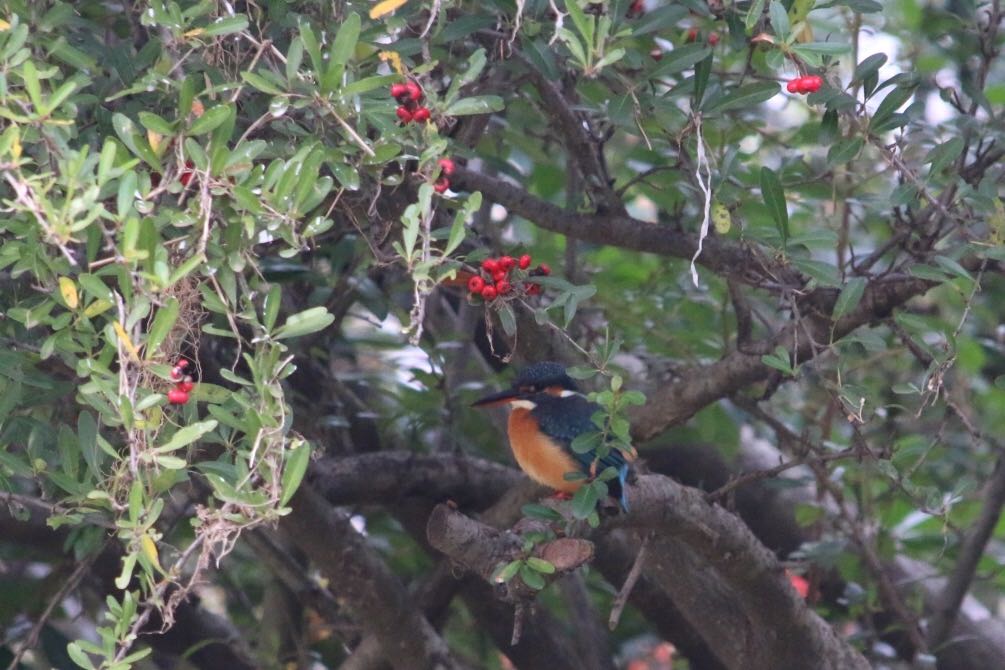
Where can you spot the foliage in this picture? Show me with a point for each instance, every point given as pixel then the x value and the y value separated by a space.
pixel 228 183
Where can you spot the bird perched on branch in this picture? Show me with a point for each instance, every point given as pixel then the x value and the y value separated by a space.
pixel 547 414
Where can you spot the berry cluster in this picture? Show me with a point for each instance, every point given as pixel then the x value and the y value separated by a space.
pixel 811 83
pixel 692 35
pixel 410 108
pixel 499 279
pixel 446 169
pixel 183 384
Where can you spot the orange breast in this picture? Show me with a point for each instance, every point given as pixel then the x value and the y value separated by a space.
pixel 538 456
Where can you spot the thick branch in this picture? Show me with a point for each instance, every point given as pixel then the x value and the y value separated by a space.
pixel 947 605
pixel 360 579
pixel 770 624
pixel 394 476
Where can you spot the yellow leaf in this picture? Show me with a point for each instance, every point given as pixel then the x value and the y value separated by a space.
pixel 150 550
pixel 97 307
pixel 721 219
pixel 395 60
pixel 15 147
pixel 154 139
pixel 385 7
pixel 195 32
pixel 68 289
pixel 124 338
pixel 4 25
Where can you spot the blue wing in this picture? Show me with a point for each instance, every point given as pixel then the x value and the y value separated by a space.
pixel 564 419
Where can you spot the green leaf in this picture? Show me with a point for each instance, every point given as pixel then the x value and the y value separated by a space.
pixel 540 565
pixel 845 150
pixel 822 48
pixel 261 83
pixel 507 319
pixel 297 460
pixel 680 59
pixel 211 119
pixel 78 656
pixel 584 24
pixel 825 273
pixel 186 435
pixel 850 296
pixel 868 67
pixel 155 123
pixel 744 97
pixel 532 578
pixel 479 104
pixel 305 322
pixel 943 154
pixel 663 18
pixel 31 83
pixel 163 323
pixel 507 572
pixel 342 49
pixel 779 20
pixel 753 15
pixel 774 198
pixel 87 438
pixel 584 501
pixel 702 71
pixel 953 267
pixel 539 511
pixel 891 103
pixel 226 25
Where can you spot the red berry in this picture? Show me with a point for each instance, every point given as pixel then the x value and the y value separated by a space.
pixel 713 39
pixel 489 292
pixel 175 373
pixel 414 91
pixel 177 396
pixel 185 176
pixel 499 275
pixel 692 35
pixel 398 90
pixel 504 287
pixel 533 289
pixel 476 284
pixel 421 115
pixel 545 269
pixel 507 263
pixel 637 8
pixel 441 184
pixel 403 114
pixel 656 54
pixel 812 84
pixel 490 265
pixel 182 363
pixel 794 85
pixel 525 261
pixel 446 166
pixel 186 385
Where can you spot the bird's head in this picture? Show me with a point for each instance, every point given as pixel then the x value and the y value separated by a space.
pixel 535 379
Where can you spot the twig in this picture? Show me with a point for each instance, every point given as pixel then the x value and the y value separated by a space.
pixel 69 585
pixel 626 590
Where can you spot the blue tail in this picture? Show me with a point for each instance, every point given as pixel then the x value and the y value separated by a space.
pixel 622 478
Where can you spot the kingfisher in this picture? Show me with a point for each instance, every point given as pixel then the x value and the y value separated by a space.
pixel 547 412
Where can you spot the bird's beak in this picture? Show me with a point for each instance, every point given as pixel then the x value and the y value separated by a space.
pixel 499 398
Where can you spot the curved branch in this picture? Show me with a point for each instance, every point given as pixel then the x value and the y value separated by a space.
pixel 721 256
pixel 393 476
pixel 361 579
pixel 704 384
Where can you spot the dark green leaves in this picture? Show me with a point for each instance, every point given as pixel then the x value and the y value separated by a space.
pixel 743 97
pixel 774 198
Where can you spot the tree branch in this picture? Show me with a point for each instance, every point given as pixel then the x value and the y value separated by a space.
pixel 721 256
pixel 360 579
